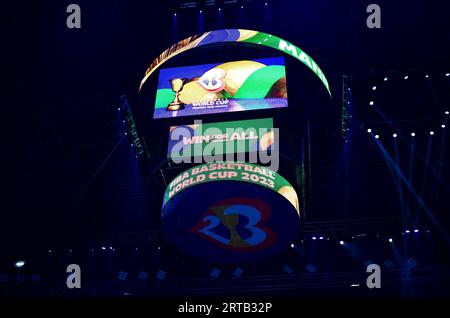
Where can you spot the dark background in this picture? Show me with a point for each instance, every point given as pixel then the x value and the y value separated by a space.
pixel 62 89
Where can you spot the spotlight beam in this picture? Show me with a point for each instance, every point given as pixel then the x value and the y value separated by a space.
pixel 437 175
pixel 420 201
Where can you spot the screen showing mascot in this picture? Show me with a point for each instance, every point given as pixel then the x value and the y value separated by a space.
pixel 218 88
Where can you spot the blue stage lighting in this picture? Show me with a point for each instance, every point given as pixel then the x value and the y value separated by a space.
pixel 122 275
pixel 377 136
pixel 416 231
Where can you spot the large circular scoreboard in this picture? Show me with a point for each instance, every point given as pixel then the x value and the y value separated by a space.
pixel 230 212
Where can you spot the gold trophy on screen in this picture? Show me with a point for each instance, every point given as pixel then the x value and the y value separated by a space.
pixel 177 87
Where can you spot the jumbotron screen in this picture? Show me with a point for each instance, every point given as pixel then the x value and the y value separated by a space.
pixel 221 87
pixel 220 138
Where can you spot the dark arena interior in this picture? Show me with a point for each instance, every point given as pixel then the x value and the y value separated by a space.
pixel 356 99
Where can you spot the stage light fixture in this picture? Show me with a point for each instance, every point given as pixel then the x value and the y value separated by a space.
pixel 394 135
pixel 313 237
pixel 377 136
pixel 287 269
pixel 118 108
pixel 411 262
pixel 311 268
pixel 160 275
pixel 242 7
pixel 103 248
pixel 413 134
pixel 238 272
pixel 122 275
pixel 385 79
pixel 174 14
pixel 407 231
pixel 416 231
pixel 19 264
pixel 406 77
pixel 49 251
pixel 426 76
pixel 447 112
pixel 390 240
pixel 442 126
pixel 369 130
pixel 371 103
pixel 374 88
pixel 143 275
pixel 201 11
pixel 431 133
pixel 341 242
pixel 265 3
pixel 447 74
pixel 220 9
pixel 292 245
pixel 215 273
pixel 321 238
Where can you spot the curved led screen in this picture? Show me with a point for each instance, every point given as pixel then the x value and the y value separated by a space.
pixel 230 212
pixel 237 36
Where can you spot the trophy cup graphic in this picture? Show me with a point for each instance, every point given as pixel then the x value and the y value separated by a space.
pixel 177 87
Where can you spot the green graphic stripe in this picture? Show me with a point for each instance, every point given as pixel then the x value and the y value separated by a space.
pixel 279 181
pixel 260 82
pixel 260 38
pixel 163 97
pixel 275 42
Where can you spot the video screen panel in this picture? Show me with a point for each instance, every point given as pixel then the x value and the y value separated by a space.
pixel 220 138
pixel 221 87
